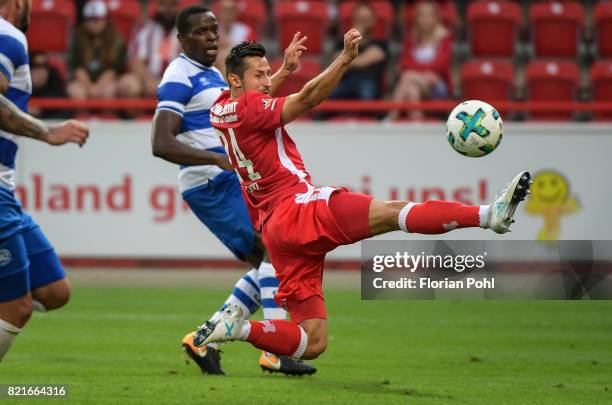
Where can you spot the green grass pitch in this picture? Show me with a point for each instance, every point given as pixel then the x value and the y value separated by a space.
pixel 121 345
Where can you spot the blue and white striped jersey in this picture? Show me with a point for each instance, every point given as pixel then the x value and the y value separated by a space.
pixel 189 89
pixel 14 65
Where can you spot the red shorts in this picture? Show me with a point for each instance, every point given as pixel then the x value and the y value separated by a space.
pixel 298 235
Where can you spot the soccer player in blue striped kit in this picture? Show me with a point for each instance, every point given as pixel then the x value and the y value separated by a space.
pixel 182 134
pixel 31 275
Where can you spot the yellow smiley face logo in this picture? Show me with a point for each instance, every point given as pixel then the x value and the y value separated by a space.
pixel 550 198
pixel 549 188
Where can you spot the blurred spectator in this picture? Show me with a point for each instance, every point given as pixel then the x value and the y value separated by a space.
pixel 97 55
pixel 426 60
pixel 231 31
pixel 151 50
pixel 47 82
pixel 363 80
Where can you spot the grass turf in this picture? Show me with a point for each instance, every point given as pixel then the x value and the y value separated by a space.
pixel 120 345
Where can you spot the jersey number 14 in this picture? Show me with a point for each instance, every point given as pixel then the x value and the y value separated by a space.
pixel 240 158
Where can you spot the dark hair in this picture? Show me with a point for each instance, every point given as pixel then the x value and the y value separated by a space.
pixel 182 25
pixel 234 61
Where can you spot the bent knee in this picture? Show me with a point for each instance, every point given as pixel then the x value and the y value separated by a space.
pixel 315 348
pixel 58 299
pixel 53 296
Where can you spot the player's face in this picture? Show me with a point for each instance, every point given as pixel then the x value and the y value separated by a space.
pixel 257 76
pixel 201 42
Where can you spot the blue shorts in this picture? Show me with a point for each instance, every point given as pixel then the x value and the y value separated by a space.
pixel 220 206
pixel 27 258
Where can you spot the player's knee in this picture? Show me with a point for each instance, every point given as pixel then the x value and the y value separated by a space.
pixel 316 346
pixel 58 299
pixel 53 296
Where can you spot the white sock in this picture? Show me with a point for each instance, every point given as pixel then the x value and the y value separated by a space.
pixel 299 352
pixel 268 284
pixel 401 219
pixel 38 306
pixel 483 216
pixel 245 294
pixel 245 330
pixel 8 333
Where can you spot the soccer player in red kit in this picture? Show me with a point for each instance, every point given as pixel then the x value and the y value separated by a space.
pixel 299 222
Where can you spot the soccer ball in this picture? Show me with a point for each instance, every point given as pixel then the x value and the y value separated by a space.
pixel 474 128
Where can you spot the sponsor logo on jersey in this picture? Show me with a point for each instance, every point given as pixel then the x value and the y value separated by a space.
pixel 268 103
pixel 5 257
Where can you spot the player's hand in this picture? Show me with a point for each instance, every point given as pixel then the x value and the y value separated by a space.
pixel 294 51
pixel 224 163
pixel 351 43
pixel 69 131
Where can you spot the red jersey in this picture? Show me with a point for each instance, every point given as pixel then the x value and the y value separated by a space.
pixel 267 162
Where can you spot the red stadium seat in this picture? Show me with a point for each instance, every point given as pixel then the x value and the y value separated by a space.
pixel 601 82
pixel 307 70
pixel 489 81
pixel 183 3
pixel 493 27
pixel 556 28
pixel 252 13
pixel 308 17
pixel 50 25
pixel 125 15
pixel 384 17
pixel 552 81
pixel 448 14
pixel 603 26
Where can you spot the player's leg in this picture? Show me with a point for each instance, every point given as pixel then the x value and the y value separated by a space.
pixel 304 301
pixel 436 217
pixel 15 298
pixel 48 283
pixel 222 209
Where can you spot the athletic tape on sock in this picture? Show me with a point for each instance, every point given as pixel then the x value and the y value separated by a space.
pixel 401 220
pixel 299 352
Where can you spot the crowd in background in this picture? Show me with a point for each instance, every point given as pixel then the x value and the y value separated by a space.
pixel 411 64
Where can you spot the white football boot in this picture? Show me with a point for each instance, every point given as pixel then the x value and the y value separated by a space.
pixel 502 209
pixel 227 328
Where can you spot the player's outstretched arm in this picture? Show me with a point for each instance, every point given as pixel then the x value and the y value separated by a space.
pixel 166 126
pixel 319 88
pixel 15 121
pixel 291 61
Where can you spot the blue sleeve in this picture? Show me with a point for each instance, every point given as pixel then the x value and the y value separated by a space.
pixel 12 55
pixel 173 96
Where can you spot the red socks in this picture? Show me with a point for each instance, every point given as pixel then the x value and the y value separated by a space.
pixel 435 217
pixel 281 337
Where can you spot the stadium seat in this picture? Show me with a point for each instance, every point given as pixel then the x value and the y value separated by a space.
pixel 448 14
pixel 556 28
pixel 497 20
pixel 309 17
pixel 603 27
pixel 384 17
pixel 552 81
pixel 252 13
pixel 489 81
pixel 307 70
pixel 50 25
pixel 125 15
pixel 601 82
pixel 152 9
